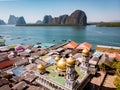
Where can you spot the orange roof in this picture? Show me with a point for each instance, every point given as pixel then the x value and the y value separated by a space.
pixel 84 45
pixel 27 47
pixel 71 45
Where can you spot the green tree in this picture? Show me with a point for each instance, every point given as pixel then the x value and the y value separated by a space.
pixel 117 81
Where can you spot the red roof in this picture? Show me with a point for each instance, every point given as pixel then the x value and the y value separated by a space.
pixel 84 45
pixel 6 63
pixel 71 45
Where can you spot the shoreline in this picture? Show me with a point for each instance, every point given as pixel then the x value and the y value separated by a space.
pixel 49 25
pixel 98 24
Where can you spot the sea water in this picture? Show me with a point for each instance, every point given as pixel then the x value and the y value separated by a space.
pixel 53 34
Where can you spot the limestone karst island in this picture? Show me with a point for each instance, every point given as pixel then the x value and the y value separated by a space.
pixel 78 17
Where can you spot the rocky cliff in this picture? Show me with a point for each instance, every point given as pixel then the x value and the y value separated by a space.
pixel 78 17
pixel 62 19
pixel 21 20
pixel 2 22
pixel 47 19
pixel 12 19
pixel 16 20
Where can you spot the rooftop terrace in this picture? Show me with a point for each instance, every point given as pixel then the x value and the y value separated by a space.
pixel 52 75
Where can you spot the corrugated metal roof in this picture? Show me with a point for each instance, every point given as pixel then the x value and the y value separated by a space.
pixel 6 63
pixel 71 45
pixel 84 45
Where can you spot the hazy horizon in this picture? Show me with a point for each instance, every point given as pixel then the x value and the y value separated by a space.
pixel 33 10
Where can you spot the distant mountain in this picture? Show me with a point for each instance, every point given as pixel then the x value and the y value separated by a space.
pixel 13 20
pixel 78 17
pixel 62 19
pixel 2 22
pixel 47 19
pixel 38 22
pixel 21 20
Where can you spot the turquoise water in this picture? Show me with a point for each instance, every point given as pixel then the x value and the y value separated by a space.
pixel 52 34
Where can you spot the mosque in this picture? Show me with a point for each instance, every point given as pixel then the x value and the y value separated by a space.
pixel 67 71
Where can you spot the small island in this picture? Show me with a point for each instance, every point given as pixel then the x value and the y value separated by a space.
pixel 77 18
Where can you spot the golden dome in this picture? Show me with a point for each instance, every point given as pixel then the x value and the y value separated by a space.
pixel 61 65
pixel 70 61
pixel 85 52
pixel 57 58
pixel 41 67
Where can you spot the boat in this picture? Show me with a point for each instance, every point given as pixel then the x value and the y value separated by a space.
pixel 2 41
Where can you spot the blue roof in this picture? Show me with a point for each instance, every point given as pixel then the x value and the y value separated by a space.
pixel 18 70
pixel 51 60
pixel 97 54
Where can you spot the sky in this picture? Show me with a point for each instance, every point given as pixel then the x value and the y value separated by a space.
pixel 33 10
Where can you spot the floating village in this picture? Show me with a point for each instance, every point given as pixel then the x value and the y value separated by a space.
pixel 63 66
